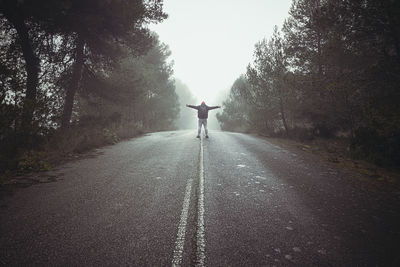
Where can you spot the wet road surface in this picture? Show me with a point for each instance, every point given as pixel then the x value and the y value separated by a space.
pixel 169 199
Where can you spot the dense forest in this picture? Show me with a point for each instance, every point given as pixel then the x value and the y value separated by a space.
pixel 333 70
pixel 76 74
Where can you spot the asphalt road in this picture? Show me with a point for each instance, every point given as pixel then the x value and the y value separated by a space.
pixel 170 199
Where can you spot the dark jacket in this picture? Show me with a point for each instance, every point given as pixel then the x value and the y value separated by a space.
pixel 202 110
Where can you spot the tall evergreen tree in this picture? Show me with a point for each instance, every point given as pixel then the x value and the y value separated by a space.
pixel 267 76
pixel 19 14
pixel 100 29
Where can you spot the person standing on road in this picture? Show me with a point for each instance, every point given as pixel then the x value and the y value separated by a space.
pixel 202 114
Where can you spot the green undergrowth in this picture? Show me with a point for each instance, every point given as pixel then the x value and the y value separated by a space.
pixel 33 161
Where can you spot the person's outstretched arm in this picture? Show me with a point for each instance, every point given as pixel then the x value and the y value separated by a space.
pixel 191 106
pixel 209 108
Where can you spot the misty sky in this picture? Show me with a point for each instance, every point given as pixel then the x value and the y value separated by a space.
pixel 212 41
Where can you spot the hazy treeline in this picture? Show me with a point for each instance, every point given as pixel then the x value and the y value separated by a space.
pixel 186 119
pixel 78 73
pixel 333 69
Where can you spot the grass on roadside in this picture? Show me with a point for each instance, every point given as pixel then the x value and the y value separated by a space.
pixel 63 146
pixel 337 152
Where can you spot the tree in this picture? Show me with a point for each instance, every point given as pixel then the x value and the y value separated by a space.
pixel 235 114
pixel 334 72
pixel 101 29
pixel 185 119
pixel 137 90
pixel 18 14
pixel 267 76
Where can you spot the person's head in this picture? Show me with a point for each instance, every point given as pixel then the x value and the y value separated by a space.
pixel 203 103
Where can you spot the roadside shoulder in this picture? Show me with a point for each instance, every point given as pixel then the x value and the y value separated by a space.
pixel 335 153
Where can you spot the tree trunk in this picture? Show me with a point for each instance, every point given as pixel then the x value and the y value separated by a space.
pixel 267 131
pixel 73 86
pixel 32 66
pixel 283 116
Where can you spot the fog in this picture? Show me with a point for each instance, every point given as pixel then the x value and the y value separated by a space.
pixel 212 42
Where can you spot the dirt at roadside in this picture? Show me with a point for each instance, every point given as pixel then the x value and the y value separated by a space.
pixel 336 152
pixel 11 180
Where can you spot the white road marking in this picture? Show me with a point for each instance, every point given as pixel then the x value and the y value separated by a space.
pixel 180 239
pixel 201 244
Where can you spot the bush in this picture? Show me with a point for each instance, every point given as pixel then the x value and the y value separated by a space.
pixel 79 139
pixel 110 137
pixel 58 145
pixel 302 134
pixel 129 130
pixel 33 161
pixel 378 147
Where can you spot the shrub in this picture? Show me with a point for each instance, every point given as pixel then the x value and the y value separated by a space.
pixel 110 137
pixel 378 147
pixel 33 161
pixel 302 134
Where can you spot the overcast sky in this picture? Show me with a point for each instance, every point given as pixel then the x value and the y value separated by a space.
pixel 212 41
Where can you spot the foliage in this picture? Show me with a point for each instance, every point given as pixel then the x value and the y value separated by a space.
pixel 33 161
pixel 90 66
pixel 334 72
pixel 138 89
pixel 235 116
pixel 50 41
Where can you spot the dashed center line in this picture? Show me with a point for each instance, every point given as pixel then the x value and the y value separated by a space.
pixel 200 253
pixel 180 239
pixel 200 232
